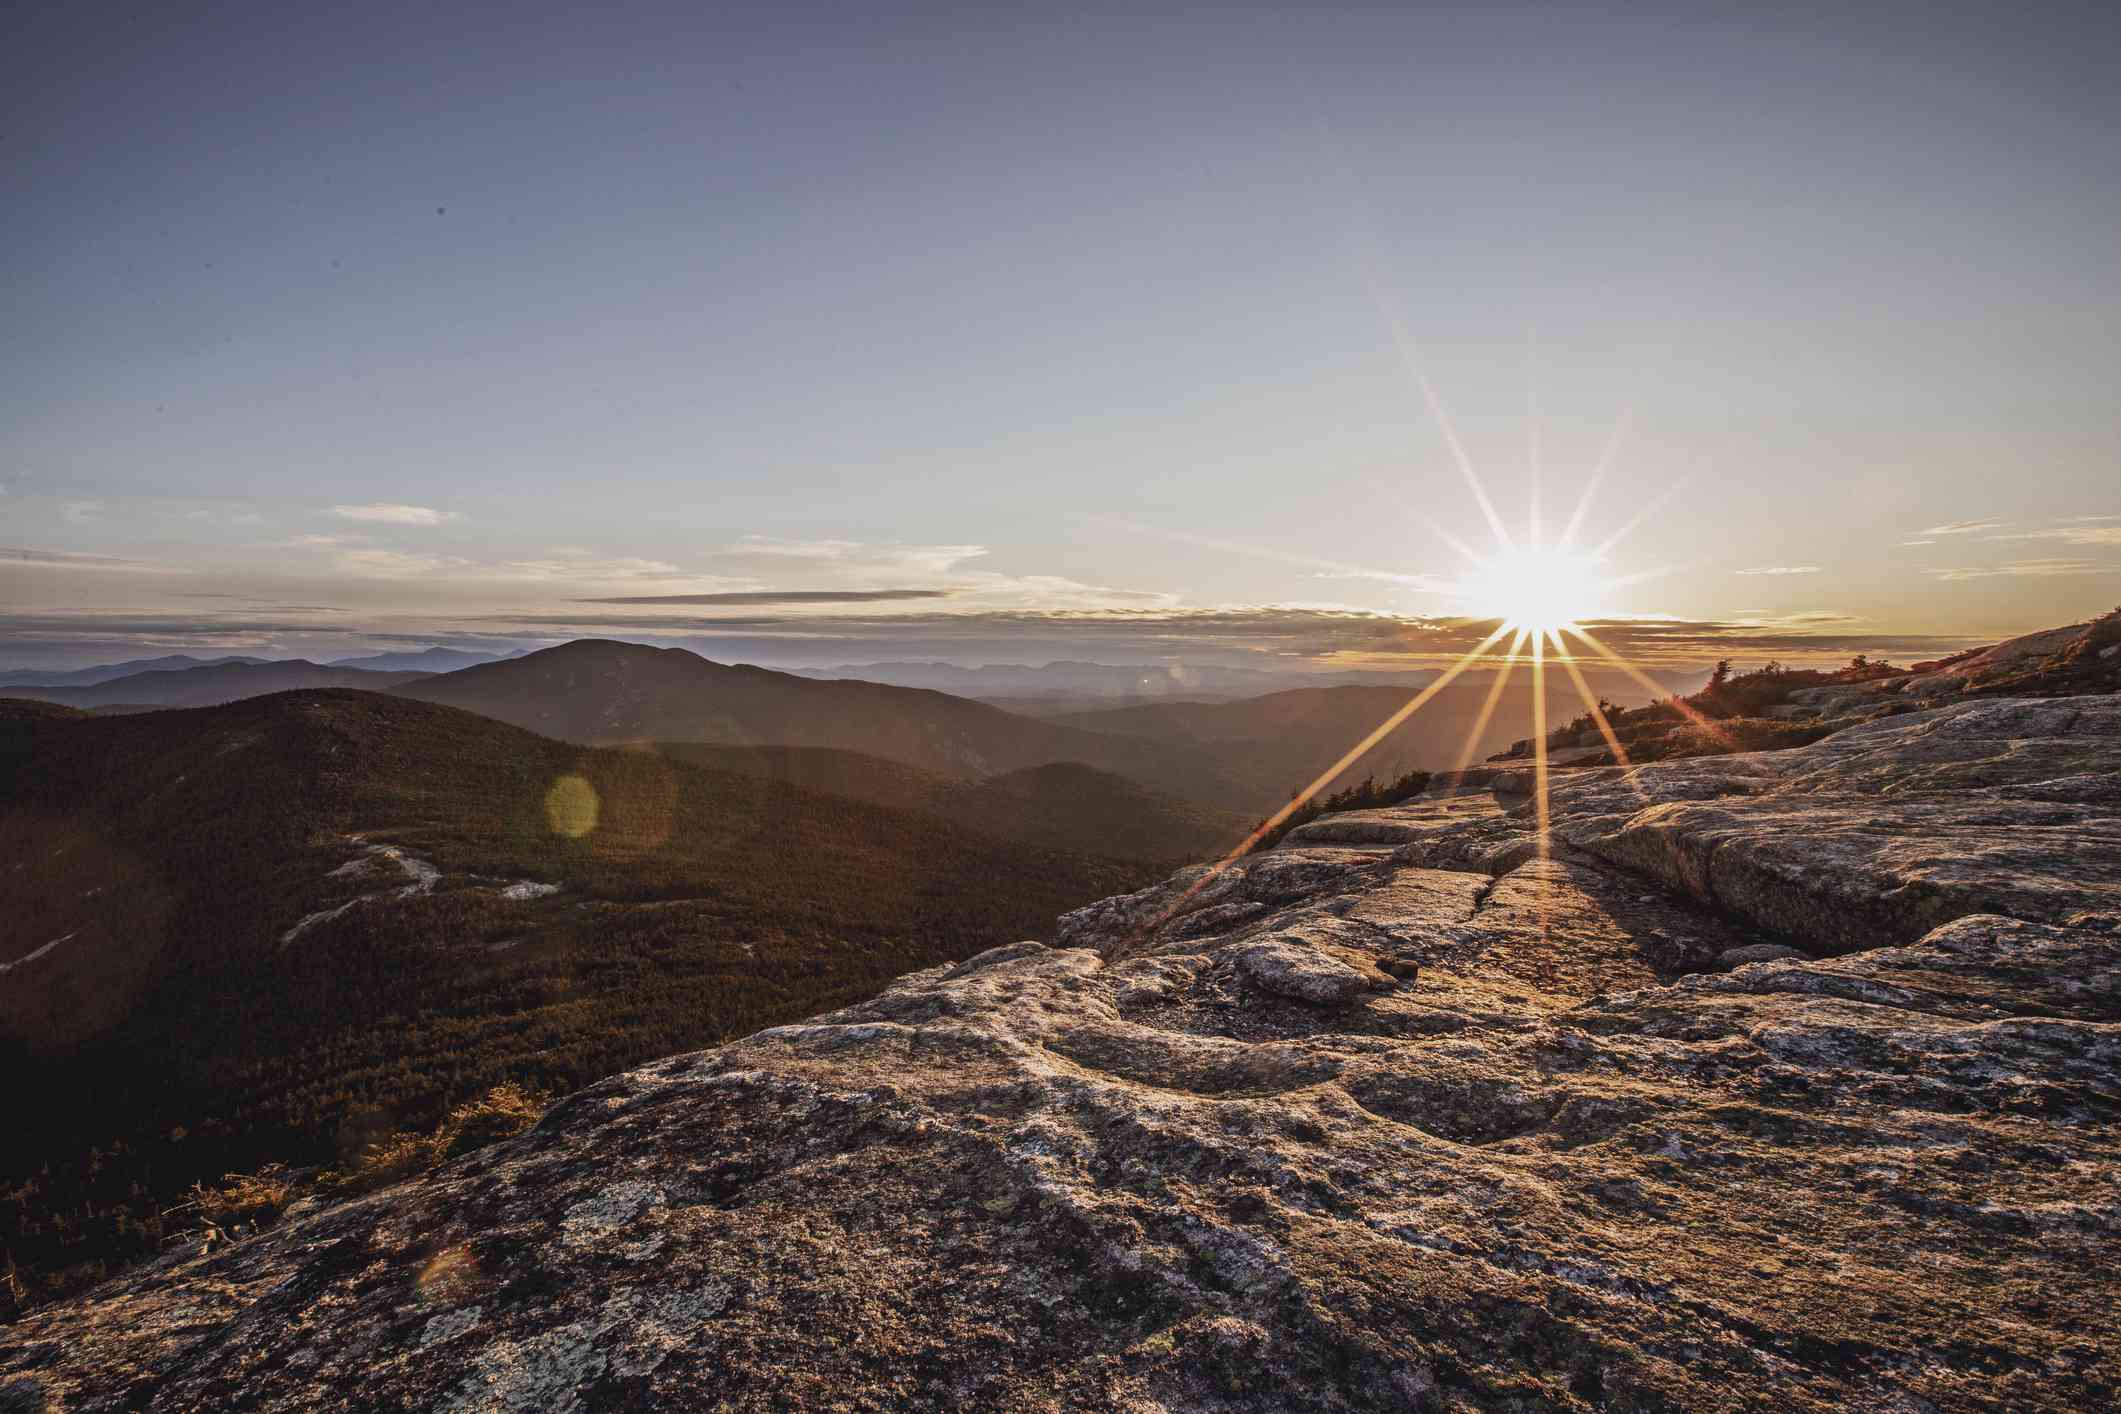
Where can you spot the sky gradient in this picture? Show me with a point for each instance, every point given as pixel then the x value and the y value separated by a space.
pixel 1096 334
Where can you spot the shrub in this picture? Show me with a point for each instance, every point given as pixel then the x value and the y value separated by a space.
pixel 1367 796
pixel 501 1113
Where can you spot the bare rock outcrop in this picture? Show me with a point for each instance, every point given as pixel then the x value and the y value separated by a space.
pixel 1777 1080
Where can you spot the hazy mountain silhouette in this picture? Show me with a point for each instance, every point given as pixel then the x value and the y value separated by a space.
pixel 1068 678
pixel 210 684
pixel 1112 684
pixel 105 672
pixel 1284 739
pixel 426 660
pixel 599 691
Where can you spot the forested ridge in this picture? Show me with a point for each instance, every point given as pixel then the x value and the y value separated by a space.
pixel 565 912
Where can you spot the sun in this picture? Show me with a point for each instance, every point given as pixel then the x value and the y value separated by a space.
pixel 1544 598
pixel 1539 590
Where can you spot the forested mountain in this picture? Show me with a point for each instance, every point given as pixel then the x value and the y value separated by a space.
pixel 601 691
pixel 1064 805
pixel 276 929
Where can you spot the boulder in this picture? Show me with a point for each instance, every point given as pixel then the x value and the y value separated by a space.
pixel 1754 952
pixel 1282 967
pixel 1881 831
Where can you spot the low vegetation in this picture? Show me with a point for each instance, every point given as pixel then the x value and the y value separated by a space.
pixel 1369 794
pixel 242 1204
pixel 1729 714
pixel 1063 805
pixel 1775 706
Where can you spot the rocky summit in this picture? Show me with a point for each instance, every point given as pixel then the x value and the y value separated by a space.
pixel 1786 1080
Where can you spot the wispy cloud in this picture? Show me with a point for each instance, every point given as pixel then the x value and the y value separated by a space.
pixel 231 517
pixel 1813 618
pixel 1963 527
pixel 261 601
pixel 68 559
pixel 1781 569
pixel 571 563
pixel 2039 569
pixel 394 564
pixel 754 571
pixel 780 596
pixel 854 566
pixel 1420 583
pixel 393 513
pixel 2083 533
pixel 922 559
pixel 1907 543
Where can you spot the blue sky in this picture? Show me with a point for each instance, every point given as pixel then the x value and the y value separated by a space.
pixel 1097 327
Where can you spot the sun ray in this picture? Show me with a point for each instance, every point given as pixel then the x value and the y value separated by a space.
pixel 1656 690
pixel 1638 577
pixel 1662 499
pixel 1458 452
pixel 1487 708
pixel 1369 264
pixel 1379 733
pixel 1605 728
pixel 1326 777
pixel 1336 568
pixel 1540 798
pixel 1532 449
pixel 1468 552
pixel 1539 737
pixel 1598 475
pixel 1403 343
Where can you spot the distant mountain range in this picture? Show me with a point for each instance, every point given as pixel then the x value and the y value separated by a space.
pixel 1243 755
pixel 604 692
pixel 1079 679
pixel 426 660
pixel 106 672
pixel 208 684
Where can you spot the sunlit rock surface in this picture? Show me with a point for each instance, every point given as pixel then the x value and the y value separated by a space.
pixel 1788 1080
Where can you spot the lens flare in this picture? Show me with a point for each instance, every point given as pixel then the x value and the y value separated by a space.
pixel 571 807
